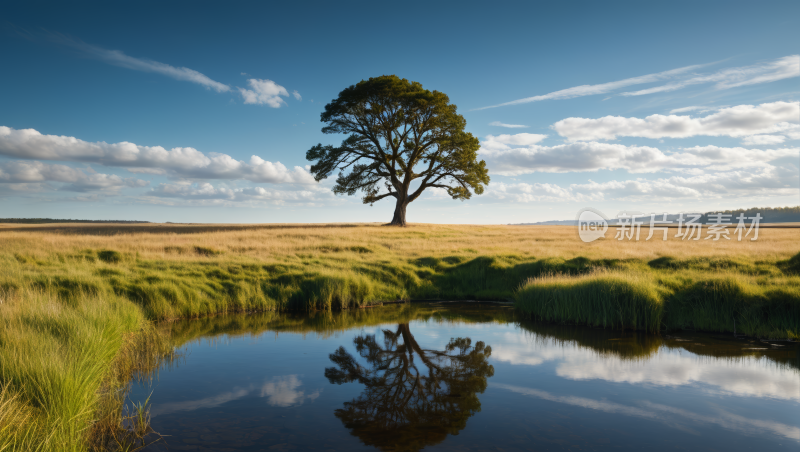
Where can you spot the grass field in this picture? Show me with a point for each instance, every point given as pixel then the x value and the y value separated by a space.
pixel 77 301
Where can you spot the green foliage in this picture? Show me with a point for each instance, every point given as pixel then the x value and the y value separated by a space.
pixel 397 133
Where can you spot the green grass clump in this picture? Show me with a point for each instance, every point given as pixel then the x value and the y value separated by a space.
pixel 61 365
pixel 109 256
pixel 609 300
pixel 654 301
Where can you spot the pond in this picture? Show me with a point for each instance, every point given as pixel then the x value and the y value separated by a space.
pixel 466 376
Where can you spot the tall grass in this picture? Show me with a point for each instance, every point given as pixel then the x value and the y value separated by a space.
pixel 609 300
pixel 62 365
pixel 654 301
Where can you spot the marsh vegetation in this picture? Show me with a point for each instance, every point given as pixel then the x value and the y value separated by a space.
pixel 77 303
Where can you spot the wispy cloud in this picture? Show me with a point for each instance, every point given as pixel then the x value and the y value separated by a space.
pixel 118 58
pixel 669 416
pixel 603 88
pixel 779 69
pixel 696 108
pixel 508 126
pixel 772 71
pixel 264 92
pixel 297 95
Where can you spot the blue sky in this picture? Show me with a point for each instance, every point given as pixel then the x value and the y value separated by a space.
pixel 155 111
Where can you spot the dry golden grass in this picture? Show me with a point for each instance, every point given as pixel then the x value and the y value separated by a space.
pixel 268 242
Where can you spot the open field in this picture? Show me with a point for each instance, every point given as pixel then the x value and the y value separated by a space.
pixel 78 301
pixel 179 271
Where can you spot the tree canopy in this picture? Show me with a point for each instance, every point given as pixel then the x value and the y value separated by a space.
pixel 401 140
pixel 413 397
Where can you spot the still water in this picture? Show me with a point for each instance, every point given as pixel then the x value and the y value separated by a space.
pixel 467 377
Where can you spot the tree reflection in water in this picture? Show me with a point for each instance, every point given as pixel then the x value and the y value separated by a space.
pixel 413 397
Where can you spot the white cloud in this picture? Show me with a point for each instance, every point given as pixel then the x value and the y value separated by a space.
pixel 264 92
pixel 667 415
pixel 505 160
pixel 508 126
pixel 297 95
pixel 118 58
pixel 782 68
pixel 525 193
pixel 505 141
pixel 26 172
pixel 603 88
pixel 748 376
pixel 769 181
pixel 773 181
pixel 685 109
pixel 741 120
pixel 282 391
pixel 188 163
pixel 205 193
pixel 694 108
pixel 756 140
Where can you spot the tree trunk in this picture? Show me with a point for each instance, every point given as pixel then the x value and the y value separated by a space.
pixel 399 213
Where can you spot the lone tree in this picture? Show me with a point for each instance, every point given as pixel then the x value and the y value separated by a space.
pixel 401 140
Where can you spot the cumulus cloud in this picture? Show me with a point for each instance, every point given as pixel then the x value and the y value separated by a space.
pixel 741 120
pixel 118 58
pixel 264 92
pixel 188 163
pixel 525 193
pixel 504 158
pixel 206 193
pixel 22 172
pixel 297 95
pixel 508 126
pixel 757 140
pixel 603 88
pixel 770 181
pixel 772 71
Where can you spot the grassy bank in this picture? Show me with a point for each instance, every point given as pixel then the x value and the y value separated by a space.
pixel 654 301
pixel 78 301
pixel 64 366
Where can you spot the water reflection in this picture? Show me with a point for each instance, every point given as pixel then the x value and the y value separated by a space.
pixel 257 382
pixel 670 416
pixel 742 367
pixel 413 397
pixel 279 391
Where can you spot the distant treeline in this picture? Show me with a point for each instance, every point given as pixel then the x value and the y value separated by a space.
pixel 768 215
pixel 56 220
